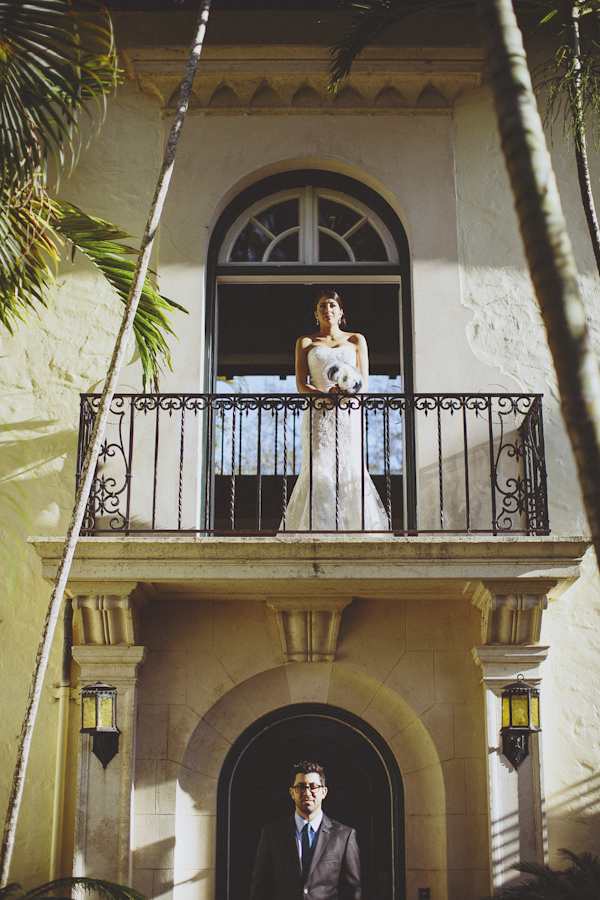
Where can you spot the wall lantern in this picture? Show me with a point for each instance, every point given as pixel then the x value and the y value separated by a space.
pixel 99 718
pixel 520 718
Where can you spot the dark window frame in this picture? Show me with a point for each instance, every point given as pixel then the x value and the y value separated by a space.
pixel 353 188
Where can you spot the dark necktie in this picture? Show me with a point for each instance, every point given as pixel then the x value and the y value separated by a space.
pixel 307 849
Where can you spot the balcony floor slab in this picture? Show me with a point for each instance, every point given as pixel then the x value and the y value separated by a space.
pixel 326 566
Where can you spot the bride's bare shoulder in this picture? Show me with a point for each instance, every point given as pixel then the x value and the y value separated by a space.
pixel 306 341
pixel 358 339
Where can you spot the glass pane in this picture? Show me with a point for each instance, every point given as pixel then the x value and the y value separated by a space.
pixel 336 217
pixel 367 246
pixel 535 712
pixel 105 712
pixel 250 246
pixel 88 719
pixel 505 713
pixel 520 711
pixel 279 218
pixel 331 250
pixel 286 250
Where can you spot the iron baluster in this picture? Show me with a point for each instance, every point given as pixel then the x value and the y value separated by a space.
pixel 129 471
pixel 310 467
pixel 362 464
pixel 337 466
pixel 276 413
pixel 466 453
pixel 240 450
pixel 294 419
pixel 493 472
pixel 210 455
pixel 222 472
pixel 387 465
pixel 181 450
pixel 155 473
pixel 440 467
pixel 284 482
pixel 259 470
pixel 232 497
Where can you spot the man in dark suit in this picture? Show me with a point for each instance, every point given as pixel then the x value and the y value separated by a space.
pixel 309 856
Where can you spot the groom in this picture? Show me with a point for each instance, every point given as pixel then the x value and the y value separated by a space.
pixel 309 856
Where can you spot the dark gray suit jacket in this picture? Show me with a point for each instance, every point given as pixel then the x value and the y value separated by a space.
pixel 334 870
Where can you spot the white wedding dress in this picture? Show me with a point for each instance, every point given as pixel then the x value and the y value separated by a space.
pixel 349 476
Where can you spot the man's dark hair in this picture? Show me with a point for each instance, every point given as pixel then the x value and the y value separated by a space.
pixel 306 768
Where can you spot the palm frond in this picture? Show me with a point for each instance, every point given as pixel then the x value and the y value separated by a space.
pixel 102 243
pixel 28 255
pixel 53 63
pixel 367 20
pixel 64 887
pixel 572 82
pixel 579 882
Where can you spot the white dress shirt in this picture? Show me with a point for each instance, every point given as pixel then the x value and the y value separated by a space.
pixel 315 824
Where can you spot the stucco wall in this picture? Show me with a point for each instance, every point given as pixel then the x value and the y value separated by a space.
pixel 42 370
pixel 506 330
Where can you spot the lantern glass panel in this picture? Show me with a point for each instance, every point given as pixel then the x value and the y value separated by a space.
pixel 105 711
pixel 535 712
pixel 88 718
pixel 505 712
pixel 520 710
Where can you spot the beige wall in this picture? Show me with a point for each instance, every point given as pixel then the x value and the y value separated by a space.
pixel 506 330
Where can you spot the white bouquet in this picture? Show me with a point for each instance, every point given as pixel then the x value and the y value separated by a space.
pixel 348 378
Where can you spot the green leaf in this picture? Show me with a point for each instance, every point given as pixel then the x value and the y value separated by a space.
pixel 99 242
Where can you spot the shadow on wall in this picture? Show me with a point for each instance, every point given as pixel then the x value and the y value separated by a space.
pixel 34 491
pixel 574 818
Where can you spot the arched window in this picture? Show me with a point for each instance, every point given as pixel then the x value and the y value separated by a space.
pixel 274 246
pixel 310 226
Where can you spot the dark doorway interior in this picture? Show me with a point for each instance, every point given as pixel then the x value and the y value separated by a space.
pixel 259 324
pixel 361 794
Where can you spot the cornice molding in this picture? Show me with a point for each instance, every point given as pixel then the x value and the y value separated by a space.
pixel 293 80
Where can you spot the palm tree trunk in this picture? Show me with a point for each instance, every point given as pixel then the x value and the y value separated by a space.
pixel 579 135
pixel 547 245
pixel 89 468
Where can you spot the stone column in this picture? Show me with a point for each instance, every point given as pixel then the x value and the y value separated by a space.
pixel 106 631
pixel 511 623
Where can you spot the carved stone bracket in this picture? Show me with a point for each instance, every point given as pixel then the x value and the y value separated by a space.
pixel 309 629
pixel 107 614
pixel 272 80
pixel 511 611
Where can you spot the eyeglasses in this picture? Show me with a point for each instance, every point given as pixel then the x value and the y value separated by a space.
pixel 303 788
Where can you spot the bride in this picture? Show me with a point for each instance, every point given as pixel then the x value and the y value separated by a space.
pixel 315 353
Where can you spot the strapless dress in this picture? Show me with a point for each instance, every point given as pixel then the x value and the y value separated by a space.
pixel 334 490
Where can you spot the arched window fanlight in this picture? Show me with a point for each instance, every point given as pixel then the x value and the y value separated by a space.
pixel 308 226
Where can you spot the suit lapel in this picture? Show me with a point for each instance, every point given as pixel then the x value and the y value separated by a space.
pixel 323 837
pixel 291 846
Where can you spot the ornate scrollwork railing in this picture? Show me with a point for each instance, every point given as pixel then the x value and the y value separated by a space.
pixel 227 463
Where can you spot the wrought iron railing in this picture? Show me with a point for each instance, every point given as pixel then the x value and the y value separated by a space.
pixel 228 463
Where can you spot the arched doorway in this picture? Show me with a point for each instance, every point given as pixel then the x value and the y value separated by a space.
pixel 275 244
pixel 365 791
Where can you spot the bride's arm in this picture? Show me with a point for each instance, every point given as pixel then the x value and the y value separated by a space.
pixel 302 382
pixel 363 360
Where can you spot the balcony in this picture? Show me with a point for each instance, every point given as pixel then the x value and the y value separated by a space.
pixel 218 465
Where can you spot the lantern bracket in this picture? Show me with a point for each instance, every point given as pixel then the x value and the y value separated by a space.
pixel 105 746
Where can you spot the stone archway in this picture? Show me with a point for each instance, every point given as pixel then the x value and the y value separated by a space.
pixel 388 714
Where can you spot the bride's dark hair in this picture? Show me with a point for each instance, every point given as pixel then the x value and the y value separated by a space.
pixel 331 295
